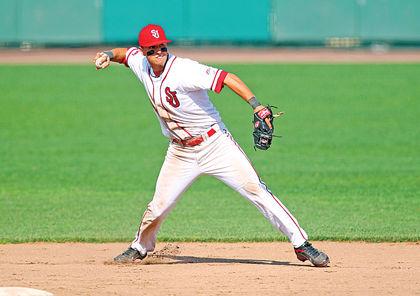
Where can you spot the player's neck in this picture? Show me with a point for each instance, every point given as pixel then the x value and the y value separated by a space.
pixel 160 67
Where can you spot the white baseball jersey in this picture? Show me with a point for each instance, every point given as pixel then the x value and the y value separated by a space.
pixel 179 95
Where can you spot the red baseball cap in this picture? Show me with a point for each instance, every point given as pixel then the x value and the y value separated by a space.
pixel 152 35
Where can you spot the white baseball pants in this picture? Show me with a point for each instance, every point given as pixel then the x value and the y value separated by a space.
pixel 219 156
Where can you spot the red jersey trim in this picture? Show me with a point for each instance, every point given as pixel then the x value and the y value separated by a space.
pixel 214 79
pixel 219 84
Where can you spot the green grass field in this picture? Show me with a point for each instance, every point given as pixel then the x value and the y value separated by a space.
pixel 80 151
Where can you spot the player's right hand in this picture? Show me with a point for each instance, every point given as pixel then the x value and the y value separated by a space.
pixel 101 60
pixel 266 118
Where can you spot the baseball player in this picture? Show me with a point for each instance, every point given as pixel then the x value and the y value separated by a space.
pixel 199 142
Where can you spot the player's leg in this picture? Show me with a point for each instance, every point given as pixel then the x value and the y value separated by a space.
pixel 229 163
pixel 178 171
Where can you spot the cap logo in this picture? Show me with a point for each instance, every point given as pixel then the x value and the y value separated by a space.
pixel 155 33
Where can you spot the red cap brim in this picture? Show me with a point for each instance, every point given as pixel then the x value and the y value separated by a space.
pixel 155 42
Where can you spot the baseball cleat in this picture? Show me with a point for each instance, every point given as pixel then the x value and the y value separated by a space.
pixel 129 255
pixel 308 252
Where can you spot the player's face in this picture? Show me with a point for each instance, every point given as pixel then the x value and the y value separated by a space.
pixel 156 54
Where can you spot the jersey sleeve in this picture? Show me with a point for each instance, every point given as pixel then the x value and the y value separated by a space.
pixel 134 60
pixel 196 76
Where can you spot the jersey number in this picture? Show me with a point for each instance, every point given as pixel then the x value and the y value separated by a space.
pixel 171 97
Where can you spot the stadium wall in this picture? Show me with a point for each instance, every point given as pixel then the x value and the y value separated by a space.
pixel 341 23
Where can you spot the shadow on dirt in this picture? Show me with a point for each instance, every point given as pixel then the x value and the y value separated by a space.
pixel 177 259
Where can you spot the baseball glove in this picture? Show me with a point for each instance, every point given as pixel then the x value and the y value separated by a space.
pixel 264 127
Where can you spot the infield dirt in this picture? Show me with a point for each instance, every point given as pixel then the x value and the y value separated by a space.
pixel 212 269
pixel 241 55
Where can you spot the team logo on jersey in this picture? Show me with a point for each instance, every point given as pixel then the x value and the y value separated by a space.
pixel 155 33
pixel 171 97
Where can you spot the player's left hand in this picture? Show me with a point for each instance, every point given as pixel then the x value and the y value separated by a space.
pixel 101 60
pixel 264 126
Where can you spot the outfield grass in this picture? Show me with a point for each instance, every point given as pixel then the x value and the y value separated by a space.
pixel 80 151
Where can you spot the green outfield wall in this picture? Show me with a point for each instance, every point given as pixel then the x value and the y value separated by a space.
pixel 367 20
pixel 51 21
pixel 62 22
pixel 189 20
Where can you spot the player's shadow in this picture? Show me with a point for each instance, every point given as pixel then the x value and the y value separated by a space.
pixel 176 259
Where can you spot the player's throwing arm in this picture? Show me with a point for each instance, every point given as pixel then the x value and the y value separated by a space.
pixel 103 59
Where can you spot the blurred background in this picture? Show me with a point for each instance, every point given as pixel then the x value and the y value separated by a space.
pixel 322 23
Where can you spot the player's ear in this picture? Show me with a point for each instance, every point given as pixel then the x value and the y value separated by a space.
pixel 143 51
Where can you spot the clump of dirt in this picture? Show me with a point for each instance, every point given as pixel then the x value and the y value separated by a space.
pixel 166 255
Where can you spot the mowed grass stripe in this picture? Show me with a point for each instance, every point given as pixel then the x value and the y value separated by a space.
pixel 80 151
